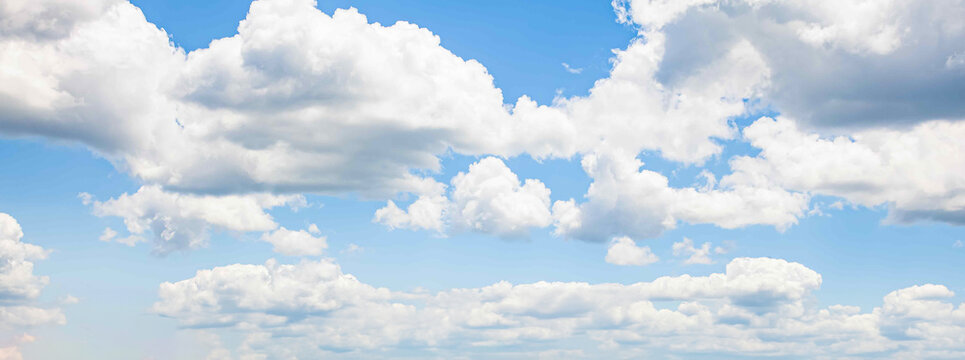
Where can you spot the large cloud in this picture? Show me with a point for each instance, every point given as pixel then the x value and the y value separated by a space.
pixel 302 101
pixel 919 174
pixel 20 287
pixel 834 64
pixel 758 306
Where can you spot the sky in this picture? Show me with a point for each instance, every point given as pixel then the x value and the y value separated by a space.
pixel 291 179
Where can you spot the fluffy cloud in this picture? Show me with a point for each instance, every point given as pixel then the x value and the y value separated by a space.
pixel 833 64
pixel 244 114
pixel 16 263
pixel 633 111
pixel 696 255
pixel 489 198
pixel 624 251
pixel 758 306
pixel 625 200
pixel 295 243
pixel 183 221
pixel 917 173
pixel 19 287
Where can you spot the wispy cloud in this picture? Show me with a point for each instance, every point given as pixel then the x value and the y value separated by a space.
pixel 572 70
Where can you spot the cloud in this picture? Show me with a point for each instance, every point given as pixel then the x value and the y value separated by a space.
pixel 489 198
pixel 698 255
pixel 242 115
pixel 916 173
pixel 11 350
pixel 295 243
pixel 833 65
pixel 624 251
pixel 572 70
pixel 184 221
pixel 19 286
pixel 625 200
pixel 758 306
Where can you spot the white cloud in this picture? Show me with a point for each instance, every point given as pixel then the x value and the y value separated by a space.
pixel 625 200
pixel 958 244
pixel 240 115
pixel 17 281
pixel 696 255
pixel 624 251
pixel 108 234
pixel 758 306
pixel 489 198
pixel 572 70
pixel 917 173
pixel 183 221
pixel 833 63
pixel 19 286
pixel 295 243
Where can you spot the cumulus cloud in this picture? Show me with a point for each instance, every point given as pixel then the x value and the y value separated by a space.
pixel 917 174
pixel 625 200
pixel 489 198
pixel 295 243
pixel 833 64
pixel 184 221
pixel 242 114
pixel 19 286
pixel 758 306
pixel 624 251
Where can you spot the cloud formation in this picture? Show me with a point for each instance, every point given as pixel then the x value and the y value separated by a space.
pixel 20 288
pixel 918 174
pixel 184 221
pixel 489 198
pixel 758 306
pixel 833 64
pixel 624 251
pixel 626 200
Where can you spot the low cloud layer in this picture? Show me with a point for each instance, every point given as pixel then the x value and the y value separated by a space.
pixel 758 306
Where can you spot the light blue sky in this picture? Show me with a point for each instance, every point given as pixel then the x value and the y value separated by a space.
pixel 523 45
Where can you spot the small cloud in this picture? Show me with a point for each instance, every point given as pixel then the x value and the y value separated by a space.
pixel 107 235
pixel 726 248
pixel 352 249
pixel 131 240
pixel 699 255
pixel 110 235
pixel 837 205
pixel 572 70
pixel 624 251
pixel 85 198
pixel 958 244
pixel 69 299
pixel 312 228
pixel 956 61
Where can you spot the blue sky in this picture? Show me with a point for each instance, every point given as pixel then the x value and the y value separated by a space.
pixel 461 223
